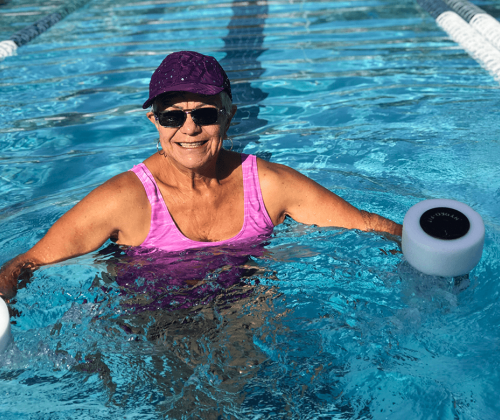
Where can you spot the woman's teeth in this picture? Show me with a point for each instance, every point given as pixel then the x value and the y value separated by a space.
pixel 192 145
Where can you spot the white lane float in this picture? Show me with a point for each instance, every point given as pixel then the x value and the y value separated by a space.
pixel 442 237
pixel 5 335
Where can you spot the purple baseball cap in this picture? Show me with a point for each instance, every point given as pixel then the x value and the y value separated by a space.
pixel 188 71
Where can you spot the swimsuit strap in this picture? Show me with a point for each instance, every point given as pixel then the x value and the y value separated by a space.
pixel 257 219
pixel 161 220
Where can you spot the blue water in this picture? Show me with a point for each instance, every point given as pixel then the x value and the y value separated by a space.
pixel 371 100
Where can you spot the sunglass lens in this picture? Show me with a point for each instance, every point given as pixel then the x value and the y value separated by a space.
pixel 205 116
pixel 172 118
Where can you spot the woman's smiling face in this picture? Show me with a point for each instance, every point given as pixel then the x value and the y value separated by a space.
pixel 192 146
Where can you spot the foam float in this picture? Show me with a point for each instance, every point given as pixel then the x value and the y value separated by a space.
pixel 442 237
pixel 5 335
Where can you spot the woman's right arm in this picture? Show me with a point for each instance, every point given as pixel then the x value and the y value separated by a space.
pixel 115 209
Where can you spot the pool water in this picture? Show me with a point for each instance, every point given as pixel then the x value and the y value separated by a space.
pixel 367 97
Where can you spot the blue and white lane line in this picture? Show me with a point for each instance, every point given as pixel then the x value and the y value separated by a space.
pixel 481 21
pixel 7 48
pixel 470 39
pixel 10 46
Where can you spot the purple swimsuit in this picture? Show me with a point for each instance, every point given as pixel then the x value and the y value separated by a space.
pixel 164 234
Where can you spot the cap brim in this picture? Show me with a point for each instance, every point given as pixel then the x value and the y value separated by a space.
pixel 199 89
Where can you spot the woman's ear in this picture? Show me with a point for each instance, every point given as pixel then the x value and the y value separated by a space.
pixel 152 118
pixel 233 110
pixel 230 117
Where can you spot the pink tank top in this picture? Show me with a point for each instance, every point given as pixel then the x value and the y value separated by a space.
pixel 164 234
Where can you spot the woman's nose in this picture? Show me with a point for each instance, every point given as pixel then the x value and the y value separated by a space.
pixel 189 126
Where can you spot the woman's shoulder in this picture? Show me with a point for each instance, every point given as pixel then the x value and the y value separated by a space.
pixel 274 174
pixel 124 188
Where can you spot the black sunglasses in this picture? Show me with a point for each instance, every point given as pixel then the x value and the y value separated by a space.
pixel 200 116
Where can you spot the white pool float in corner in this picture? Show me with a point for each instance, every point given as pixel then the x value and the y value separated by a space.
pixel 5 336
pixel 442 237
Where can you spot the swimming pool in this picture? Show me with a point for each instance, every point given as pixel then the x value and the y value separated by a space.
pixel 370 99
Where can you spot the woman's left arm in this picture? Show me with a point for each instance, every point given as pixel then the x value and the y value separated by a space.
pixel 287 192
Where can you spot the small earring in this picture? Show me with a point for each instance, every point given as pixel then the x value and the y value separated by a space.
pixel 157 148
pixel 231 140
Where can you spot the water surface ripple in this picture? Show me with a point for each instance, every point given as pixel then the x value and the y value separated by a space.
pixel 367 97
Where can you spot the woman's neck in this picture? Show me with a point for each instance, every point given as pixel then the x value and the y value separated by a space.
pixel 169 172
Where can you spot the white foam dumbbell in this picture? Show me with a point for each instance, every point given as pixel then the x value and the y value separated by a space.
pixel 5 335
pixel 442 237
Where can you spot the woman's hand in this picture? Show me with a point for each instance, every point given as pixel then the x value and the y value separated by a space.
pixel 10 273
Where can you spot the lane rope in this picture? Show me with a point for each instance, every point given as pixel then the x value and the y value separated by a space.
pixel 473 38
pixel 465 9
pixel 481 21
pixel 10 46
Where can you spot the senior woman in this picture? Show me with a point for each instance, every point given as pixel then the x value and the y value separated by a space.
pixel 191 193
